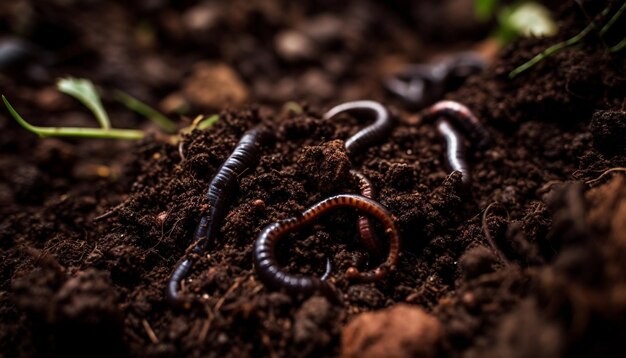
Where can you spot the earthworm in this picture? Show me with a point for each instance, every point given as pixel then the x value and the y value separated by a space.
pixel 463 117
pixel 365 226
pixel 364 138
pixel 455 153
pixel 245 155
pixel 272 275
pixel 451 114
pixel 375 132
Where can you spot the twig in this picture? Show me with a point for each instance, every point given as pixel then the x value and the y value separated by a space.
pixel 230 290
pixel 153 337
pixel 206 325
pixel 109 213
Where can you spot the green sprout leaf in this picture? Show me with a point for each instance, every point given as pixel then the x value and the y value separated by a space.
pixel 111 133
pixel 84 91
pixel 152 114
pixel 532 19
pixel 484 9
pixel 208 122
pixel 526 19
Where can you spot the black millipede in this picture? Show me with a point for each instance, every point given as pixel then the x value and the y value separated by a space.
pixel 450 114
pixel 419 85
pixel 271 274
pixel 375 132
pixel 245 155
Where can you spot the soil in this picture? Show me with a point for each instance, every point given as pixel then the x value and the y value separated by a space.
pixel 539 273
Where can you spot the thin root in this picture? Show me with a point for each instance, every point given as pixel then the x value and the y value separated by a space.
pixel 606 172
pixel 488 236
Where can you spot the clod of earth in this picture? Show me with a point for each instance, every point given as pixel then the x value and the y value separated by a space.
pixel 402 331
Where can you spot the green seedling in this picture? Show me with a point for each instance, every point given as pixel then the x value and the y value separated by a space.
pixel 80 132
pixel 575 40
pixel 85 92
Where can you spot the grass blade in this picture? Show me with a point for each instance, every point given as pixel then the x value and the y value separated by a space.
pixel 613 19
pixel 551 51
pixel 145 110
pixel 619 46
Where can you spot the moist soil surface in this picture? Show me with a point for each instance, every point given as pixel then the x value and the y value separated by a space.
pixel 526 261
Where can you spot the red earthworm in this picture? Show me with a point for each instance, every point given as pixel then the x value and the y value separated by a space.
pixel 449 115
pixel 365 226
pixel 375 132
pixel 462 117
pixel 272 275
pixel 364 138
pixel 245 155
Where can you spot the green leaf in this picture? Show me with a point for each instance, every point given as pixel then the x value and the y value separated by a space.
pixel 84 91
pixel 208 122
pixel 110 133
pixel 531 19
pixel 152 114
pixel 484 9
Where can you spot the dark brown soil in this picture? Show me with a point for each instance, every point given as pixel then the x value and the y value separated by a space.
pixel 553 285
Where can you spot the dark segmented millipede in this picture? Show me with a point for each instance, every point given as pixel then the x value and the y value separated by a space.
pixel 270 273
pixel 245 155
pixel 419 85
